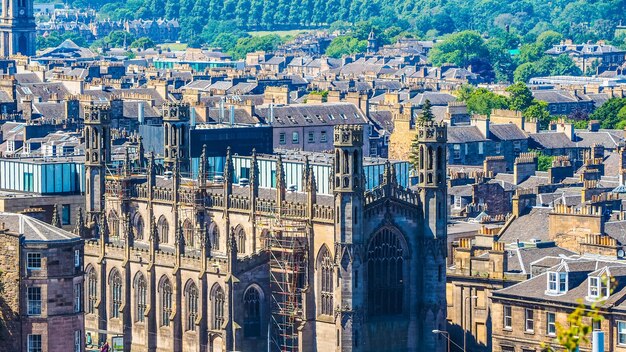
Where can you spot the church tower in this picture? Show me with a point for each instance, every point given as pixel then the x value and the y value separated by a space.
pixel 176 135
pixel 348 193
pixel 431 170
pixel 97 134
pixel 17 28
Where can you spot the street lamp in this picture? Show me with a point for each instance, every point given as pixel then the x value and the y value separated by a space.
pixel 466 319
pixel 444 333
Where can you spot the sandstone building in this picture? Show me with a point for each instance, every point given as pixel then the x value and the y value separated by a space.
pixel 175 263
pixel 41 286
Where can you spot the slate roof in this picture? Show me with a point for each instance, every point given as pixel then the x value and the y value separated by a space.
pixel 313 114
pixel 35 230
pixel 507 132
pixel 464 134
pixel 533 225
pixel 605 138
pixel 555 96
pixel 578 272
pixel 551 140
pixel 383 119
pixel 435 98
pixel 520 259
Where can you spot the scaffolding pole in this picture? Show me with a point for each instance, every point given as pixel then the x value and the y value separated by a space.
pixel 287 243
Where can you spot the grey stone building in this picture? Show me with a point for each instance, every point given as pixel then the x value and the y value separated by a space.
pixel 179 264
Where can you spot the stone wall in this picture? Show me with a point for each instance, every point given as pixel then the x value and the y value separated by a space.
pixel 10 336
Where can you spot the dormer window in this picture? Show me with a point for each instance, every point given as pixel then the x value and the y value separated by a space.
pixel 599 287
pixel 557 282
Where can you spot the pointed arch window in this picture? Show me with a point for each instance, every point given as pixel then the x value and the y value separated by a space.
pixel 139 226
pixel 116 293
pixel 163 229
pixel 385 265
pixel 215 238
pixel 114 224
pixel 166 302
pixel 241 241
pixel 252 312
pixel 217 300
pixel 92 290
pixel 192 306
pixel 141 292
pixel 326 272
pixel 188 233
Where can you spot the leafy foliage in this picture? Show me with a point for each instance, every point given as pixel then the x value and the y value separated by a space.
pixel 481 100
pixel 345 45
pixel 54 39
pixel 544 162
pixel 520 97
pixel 461 49
pixel 611 113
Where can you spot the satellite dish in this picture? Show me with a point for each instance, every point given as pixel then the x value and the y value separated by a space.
pixel 620 253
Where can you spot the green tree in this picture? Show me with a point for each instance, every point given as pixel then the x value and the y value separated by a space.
pixel 544 162
pixel 460 49
pixel 142 43
pixel 520 97
pixel 345 45
pixel 539 112
pixel 481 100
pixel 427 112
pixel 608 113
pixel 257 43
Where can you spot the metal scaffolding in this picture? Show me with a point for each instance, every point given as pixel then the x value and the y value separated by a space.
pixel 287 243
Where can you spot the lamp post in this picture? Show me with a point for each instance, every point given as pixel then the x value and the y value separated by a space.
pixel 444 333
pixel 466 320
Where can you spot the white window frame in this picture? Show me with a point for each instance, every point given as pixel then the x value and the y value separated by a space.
pixel 481 148
pixel 551 325
pixel 621 333
pixel 557 282
pixel 78 290
pixel 507 319
pixel 28 260
pixel 282 138
pixel 77 258
pixel 29 308
pixel 295 137
pixel 553 284
pixel 29 343
pixel 498 148
pixel 563 284
pixel 530 320
pixel 599 288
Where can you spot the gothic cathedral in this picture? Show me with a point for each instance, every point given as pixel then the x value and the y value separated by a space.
pixel 17 28
pixel 200 263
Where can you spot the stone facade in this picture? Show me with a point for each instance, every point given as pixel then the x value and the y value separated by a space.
pixel 56 318
pixel 17 30
pixel 175 264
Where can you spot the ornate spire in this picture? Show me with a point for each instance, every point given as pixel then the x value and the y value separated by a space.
pixel 202 168
pixel 128 226
pixel 56 221
pixel 280 174
pixel 80 224
pixel 141 152
pixel 154 233
pixel 126 162
pixel 103 226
